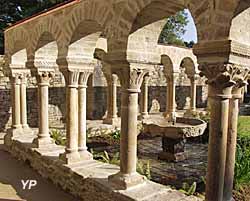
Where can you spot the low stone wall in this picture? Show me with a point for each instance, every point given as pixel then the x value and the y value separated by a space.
pixel 88 179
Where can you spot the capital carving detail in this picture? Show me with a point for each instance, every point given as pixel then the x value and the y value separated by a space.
pixel 44 77
pixel 83 78
pixel 224 75
pixel 131 78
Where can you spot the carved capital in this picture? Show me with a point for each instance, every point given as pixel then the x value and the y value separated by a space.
pixel 44 77
pixel 19 76
pixel 132 78
pixel 71 78
pixel 146 80
pixel 114 79
pixel 83 78
pixel 194 78
pixel 223 75
pixel 172 78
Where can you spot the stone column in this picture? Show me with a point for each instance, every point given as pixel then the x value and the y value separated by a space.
pixel 144 112
pixel 23 101
pixel 220 86
pixel 71 154
pixel 16 106
pixel 171 112
pixel 232 140
pixel 82 112
pixel 43 139
pixel 193 94
pixel 190 112
pixel 90 99
pixel 131 80
pixel 112 117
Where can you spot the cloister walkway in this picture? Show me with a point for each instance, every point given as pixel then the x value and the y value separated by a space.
pixel 13 171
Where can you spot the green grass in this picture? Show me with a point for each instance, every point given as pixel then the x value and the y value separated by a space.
pixel 242 165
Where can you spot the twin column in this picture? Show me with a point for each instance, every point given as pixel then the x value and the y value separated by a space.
pixel 224 94
pixel 76 148
pixel 19 105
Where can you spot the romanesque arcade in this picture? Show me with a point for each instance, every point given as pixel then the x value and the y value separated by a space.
pixel 123 36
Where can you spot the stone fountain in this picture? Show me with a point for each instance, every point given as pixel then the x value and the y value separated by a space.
pixel 174 132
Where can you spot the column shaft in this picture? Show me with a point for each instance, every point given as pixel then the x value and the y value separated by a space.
pixel 231 144
pixel 82 113
pixel 16 110
pixel 145 98
pixel 193 95
pixel 128 149
pixel 114 97
pixel 219 101
pixel 72 120
pixel 43 90
pixel 23 104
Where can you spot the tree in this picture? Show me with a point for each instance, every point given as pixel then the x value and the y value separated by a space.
pixel 12 11
pixel 174 29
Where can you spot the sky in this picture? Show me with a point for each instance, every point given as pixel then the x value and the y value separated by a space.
pixel 191 34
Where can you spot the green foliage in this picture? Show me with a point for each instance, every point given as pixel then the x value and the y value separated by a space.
pixel 12 11
pixel 116 134
pixel 142 167
pixel 242 164
pixel 174 29
pixel 57 135
pixel 187 189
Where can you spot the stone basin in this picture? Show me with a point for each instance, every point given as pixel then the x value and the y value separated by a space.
pixel 174 135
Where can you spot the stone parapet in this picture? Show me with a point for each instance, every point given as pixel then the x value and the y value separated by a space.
pixel 87 180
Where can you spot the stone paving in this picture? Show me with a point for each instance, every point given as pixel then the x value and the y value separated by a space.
pixel 13 171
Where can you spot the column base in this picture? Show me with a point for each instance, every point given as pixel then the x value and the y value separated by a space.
pixel 70 158
pixel 173 150
pixel 11 134
pixel 122 181
pixel 43 142
pixel 112 121
pixel 27 130
pixel 143 116
pixel 85 155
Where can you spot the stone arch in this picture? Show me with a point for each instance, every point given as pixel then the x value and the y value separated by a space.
pixel 189 65
pixel 167 62
pixel 46 50
pixel 100 13
pixel 16 50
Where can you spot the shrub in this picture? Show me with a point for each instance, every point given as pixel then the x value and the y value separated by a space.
pixel 58 136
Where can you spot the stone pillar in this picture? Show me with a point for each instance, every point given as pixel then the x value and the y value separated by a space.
pixel 43 139
pixel 220 81
pixel 23 102
pixel 71 154
pixel 144 112
pixel 16 105
pixel 90 98
pixel 193 94
pixel 192 110
pixel 82 112
pixel 131 80
pixel 112 117
pixel 232 140
pixel 171 112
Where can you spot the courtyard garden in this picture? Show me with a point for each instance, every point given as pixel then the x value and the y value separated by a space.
pixel 187 176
